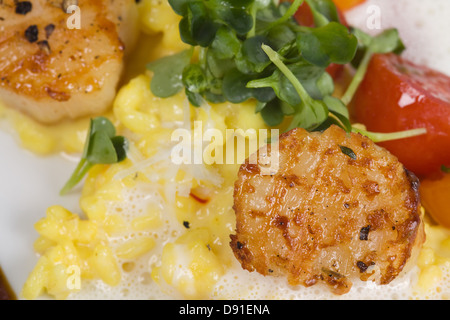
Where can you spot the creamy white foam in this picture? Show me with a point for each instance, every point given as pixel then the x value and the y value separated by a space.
pixel 236 283
pixel 423 26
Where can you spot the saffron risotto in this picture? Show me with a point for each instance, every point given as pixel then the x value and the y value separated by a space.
pixel 150 229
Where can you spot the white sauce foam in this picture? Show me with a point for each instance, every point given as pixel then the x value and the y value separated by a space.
pixel 136 280
pixel 423 26
pixel 237 283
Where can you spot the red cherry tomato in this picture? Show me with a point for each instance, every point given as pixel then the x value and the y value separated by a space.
pixel 398 95
pixel 305 17
pixel 434 195
pixel 347 4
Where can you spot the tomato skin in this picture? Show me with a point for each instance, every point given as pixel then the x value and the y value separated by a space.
pixel 304 15
pixel 335 70
pixel 434 196
pixel 347 4
pixel 305 18
pixel 395 95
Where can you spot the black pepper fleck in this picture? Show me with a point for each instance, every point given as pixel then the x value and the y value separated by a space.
pixel 32 33
pixel 44 46
pixel 239 245
pixel 186 224
pixel 362 266
pixel 23 7
pixel 49 30
pixel 364 233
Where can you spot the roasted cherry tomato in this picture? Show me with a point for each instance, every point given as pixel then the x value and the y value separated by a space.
pixel 435 198
pixel 398 95
pixel 305 17
pixel 347 4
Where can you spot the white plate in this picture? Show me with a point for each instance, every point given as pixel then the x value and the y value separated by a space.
pixel 28 186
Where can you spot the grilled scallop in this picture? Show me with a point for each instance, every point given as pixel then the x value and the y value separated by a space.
pixel 51 68
pixel 339 208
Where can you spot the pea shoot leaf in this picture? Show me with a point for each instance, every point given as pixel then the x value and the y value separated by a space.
pixel 102 147
pixel 339 112
pixel 194 78
pixel 272 113
pixel 235 86
pixel 388 41
pixel 226 43
pixel 309 117
pixel 167 78
pixel 179 6
pixel 200 27
pixel 324 9
pixel 331 43
pixel 251 48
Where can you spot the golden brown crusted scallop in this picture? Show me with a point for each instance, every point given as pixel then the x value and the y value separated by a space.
pixel 52 72
pixel 326 216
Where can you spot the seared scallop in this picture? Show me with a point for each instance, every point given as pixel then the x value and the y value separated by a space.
pixel 56 65
pixel 339 208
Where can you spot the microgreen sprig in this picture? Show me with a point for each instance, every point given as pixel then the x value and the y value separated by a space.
pixel 310 113
pixel 383 137
pixel 445 169
pixel 102 147
pixel 255 49
pixel 388 41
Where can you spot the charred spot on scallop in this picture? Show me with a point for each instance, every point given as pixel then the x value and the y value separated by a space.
pixel 342 220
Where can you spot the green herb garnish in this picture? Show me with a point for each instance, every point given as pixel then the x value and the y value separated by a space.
pixel 383 137
pixel 255 49
pixel 168 73
pixel 387 41
pixel 348 152
pixel 445 169
pixel 102 147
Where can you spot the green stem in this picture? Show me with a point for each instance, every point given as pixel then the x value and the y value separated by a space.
pixel 319 19
pixel 80 171
pixel 252 31
pixel 337 119
pixel 299 28
pixel 287 15
pixel 357 79
pixel 202 57
pixel 275 58
pixel 382 137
